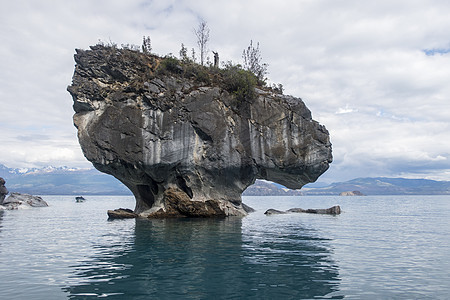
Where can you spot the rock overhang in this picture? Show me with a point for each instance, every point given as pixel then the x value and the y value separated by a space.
pixel 167 137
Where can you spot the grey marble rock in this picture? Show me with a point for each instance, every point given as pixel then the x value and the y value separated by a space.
pixel 18 200
pixel 334 210
pixel 162 132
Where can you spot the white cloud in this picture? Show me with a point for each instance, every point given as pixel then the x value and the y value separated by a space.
pixel 361 67
pixel 346 110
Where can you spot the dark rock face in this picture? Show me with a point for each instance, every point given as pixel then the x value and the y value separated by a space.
pixel 3 190
pixel 18 200
pixel 185 148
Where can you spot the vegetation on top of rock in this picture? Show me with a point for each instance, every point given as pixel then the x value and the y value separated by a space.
pixel 253 62
pixel 238 80
pixel 146 44
pixel 170 65
pixel 202 34
pixel 233 78
pixel 241 83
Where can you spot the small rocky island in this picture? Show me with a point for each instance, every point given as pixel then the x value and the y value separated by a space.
pixel 18 200
pixel 334 210
pixel 351 193
pixel 187 140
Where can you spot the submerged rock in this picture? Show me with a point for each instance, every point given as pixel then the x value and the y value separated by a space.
pixel 18 200
pixel 272 211
pixel 185 147
pixel 121 213
pixel 335 210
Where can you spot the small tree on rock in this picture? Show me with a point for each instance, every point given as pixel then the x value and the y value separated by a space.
pixel 193 56
pixel 202 34
pixel 253 61
pixel 183 53
pixel 146 44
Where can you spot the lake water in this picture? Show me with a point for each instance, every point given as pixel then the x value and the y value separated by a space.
pixel 380 247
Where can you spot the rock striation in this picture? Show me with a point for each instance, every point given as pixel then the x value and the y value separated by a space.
pixel 186 147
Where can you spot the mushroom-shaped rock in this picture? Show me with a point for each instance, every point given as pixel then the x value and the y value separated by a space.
pixel 188 147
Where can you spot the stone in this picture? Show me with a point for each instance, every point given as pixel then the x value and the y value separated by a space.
pixel 121 213
pixel 247 208
pixel 351 193
pixel 80 199
pixel 3 190
pixel 19 201
pixel 272 211
pixel 335 210
pixel 187 148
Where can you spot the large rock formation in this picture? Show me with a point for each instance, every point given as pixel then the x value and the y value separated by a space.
pixel 183 146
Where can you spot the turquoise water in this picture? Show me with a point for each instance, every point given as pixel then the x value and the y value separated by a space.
pixel 383 247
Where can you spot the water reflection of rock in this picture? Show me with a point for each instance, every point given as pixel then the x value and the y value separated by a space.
pixel 206 259
pixel 1 218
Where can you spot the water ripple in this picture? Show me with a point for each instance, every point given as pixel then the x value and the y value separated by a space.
pixel 71 251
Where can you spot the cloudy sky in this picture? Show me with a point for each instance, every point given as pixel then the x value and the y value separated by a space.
pixel 375 73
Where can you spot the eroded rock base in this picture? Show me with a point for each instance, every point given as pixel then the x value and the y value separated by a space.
pixel 121 213
pixel 176 203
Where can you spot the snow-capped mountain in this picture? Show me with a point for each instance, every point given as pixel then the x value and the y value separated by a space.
pixel 61 181
pixel 73 181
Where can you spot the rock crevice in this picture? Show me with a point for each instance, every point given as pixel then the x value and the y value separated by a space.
pixel 161 133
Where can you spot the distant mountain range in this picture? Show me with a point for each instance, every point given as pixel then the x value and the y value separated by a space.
pixel 61 181
pixel 265 188
pixel 74 181
pixel 384 186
